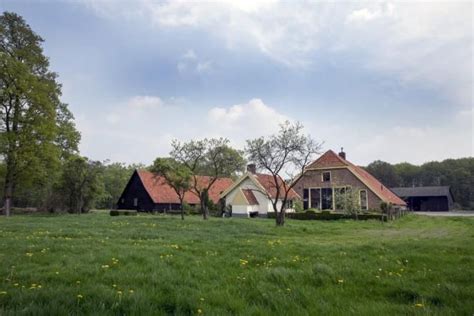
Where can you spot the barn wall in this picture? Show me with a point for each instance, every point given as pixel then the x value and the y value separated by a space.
pixel 135 189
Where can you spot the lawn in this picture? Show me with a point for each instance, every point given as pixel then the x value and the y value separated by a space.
pixel 154 264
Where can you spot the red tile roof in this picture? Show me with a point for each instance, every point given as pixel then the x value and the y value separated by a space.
pixel 268 183
pixel 161 192
pixel 250 197
pixel 332 160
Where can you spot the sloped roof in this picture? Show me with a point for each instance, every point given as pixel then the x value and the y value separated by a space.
pixel 332 160
pixel 161 192
pixel 268 183
pixel 250 197
pixel 422 191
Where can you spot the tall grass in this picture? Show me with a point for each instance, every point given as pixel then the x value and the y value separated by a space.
pixel 97 264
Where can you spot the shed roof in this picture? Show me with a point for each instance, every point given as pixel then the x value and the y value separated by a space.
pixel 422 191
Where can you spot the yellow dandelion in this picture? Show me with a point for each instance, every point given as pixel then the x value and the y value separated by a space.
pixel 57 272
pixel 419 305
pixel 39 286
pixel 16 284
pixel 78 282
pixel 105 266
pixel 114 285
pixel 340 281
pixel 29 254
pixel 3 292
pixel 288 289
pixel 79 296
pixel 130 291
pixel 119 292
pixel 199 311
pixel 202 299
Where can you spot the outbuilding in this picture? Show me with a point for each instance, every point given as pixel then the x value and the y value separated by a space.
pixel 427 199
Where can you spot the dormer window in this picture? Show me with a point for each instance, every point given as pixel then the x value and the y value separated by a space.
pixel 327 176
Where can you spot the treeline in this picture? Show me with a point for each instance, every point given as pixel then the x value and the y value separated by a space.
pixel 76 186
pixel 456 173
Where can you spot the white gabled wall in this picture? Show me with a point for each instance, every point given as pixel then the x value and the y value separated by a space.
pixel 264 203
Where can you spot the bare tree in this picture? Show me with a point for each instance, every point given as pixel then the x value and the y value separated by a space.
pixel 210 157
pixel 289 152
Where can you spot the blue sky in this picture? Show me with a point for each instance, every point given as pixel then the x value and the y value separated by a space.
pixel 385 80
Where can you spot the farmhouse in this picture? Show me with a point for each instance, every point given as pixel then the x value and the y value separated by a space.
pixel 146 191
pixel 331 176
pixel 427 199
pixel 251 195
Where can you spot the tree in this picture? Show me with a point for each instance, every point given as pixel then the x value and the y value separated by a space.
pixel 36 129
pixel 115 177
pixel 208 157
pixel 384 172
pixel 81 184
pixel 348 201
pixel 177 175
pixel 288 152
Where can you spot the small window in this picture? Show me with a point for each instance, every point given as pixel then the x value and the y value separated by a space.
pixel 363 200
pixel 135 202
pixel 327 176
pixel 122 201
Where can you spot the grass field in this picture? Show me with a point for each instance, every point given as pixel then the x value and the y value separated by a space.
pixel 97 264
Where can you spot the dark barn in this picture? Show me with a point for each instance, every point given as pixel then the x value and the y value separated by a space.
pixel 427 199
pixel 147 192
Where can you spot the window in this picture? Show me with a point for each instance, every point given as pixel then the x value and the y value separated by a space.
pixel 135 202
pixel 342 197
pixel 305 199
pixel 327 176
pixel 363 200
pixel 326 198
pixel 315 198
pixel 122 200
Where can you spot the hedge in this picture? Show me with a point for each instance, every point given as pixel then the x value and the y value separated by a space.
pixel 123 212
pixel 326 215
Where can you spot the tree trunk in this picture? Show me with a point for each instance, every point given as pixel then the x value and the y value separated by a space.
pixel 182 209
pixel 204 210
pixel 9 185
pixel 280 218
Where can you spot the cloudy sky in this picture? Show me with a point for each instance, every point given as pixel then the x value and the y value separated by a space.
pixel 385 80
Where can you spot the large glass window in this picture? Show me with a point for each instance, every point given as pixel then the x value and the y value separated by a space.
pixel 326 198
pixel 315 198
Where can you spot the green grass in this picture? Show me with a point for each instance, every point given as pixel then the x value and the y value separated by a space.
pixel 98 264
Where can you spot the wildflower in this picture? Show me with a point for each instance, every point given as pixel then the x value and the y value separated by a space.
pixel 119 292
pixel 243 262
pixel 16 284
pixel 419 305
pixel 340 281
pixel 130 291
pixel 199 311
pixel 377 276
pixel 202 299
pixel 288 289
pixel 29 254
pixel 105 266
pixel 39 286
pixel 57 272
pixel 3 292
pixel 79 296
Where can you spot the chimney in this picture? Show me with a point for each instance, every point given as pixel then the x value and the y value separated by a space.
pixel 342 154
pixel 252 168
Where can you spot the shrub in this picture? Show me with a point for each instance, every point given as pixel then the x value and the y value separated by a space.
pixel 123 212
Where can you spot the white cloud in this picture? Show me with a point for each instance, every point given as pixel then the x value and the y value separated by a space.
pixel 191 63
pixel 422 43
pixel 145 102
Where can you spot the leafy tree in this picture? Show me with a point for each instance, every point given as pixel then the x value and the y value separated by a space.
pixel 289 152
pixel 36 129
pixel 115 177
pixel 384 172
pixel 348 201
pixel 176 175
pixel 81 184
pixel 210 157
